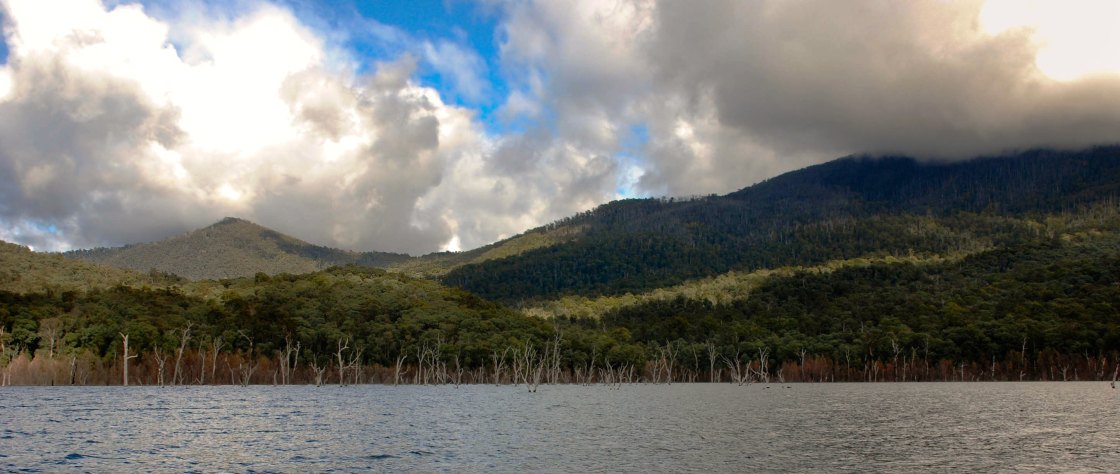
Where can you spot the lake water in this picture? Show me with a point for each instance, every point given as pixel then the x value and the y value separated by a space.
pixel 971 427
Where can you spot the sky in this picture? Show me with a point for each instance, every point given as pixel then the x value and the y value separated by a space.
pixel 433 125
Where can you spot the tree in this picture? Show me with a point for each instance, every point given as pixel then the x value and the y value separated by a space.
pixel 125 359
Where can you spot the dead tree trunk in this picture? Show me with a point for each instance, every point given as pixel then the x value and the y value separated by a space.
pixel 216 347
pixel 763 357
pixel 397 369
pixel 126 358
pixel 319 371
pixel 499 364
pixel 343 344
pixel 457 379
pixel 669 359
pixel 161 362
pixel 554 359
pixel 184 337
pixel 739 374
pixel 287 368
pixel 247 368
pixel 355 365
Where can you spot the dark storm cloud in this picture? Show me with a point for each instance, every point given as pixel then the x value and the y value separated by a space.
pixel 916 77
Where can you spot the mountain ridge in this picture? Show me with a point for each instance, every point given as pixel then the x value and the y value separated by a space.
pixel 230 248
pixel 846 208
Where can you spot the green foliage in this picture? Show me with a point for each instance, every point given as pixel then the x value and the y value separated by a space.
pixel 386 314
pixel 844 209
pixel 1053 295
pixel 229 249
pixel 22 270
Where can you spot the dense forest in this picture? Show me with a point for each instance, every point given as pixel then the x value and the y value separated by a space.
pixel 1044 310
pixel 855 270
pixel 842 209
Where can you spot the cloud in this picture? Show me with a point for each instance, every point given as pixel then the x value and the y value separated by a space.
pixel 463 66
pixel 734 92
pixel 119 125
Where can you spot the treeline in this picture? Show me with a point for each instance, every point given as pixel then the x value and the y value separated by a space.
pixel 1044 310
pixel 1038 311
pixel 843 209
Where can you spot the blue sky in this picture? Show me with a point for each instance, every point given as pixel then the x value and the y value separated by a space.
pixel 380 30
pixel 448 124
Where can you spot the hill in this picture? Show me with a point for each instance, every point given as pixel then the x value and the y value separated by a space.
pixel 849 208
pixel 24 271
pixel 1001 268
pixel 231 248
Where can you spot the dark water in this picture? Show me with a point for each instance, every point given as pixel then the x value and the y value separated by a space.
pixel 973 427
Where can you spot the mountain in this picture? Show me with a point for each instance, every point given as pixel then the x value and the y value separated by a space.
pixel 1000 268
pixel 848 208
pixel 23 271
pixel 231 248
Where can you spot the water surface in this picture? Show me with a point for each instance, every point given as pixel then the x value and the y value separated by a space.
pixel 988 427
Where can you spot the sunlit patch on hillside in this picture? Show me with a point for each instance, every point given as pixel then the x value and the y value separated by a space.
pixel 1076 38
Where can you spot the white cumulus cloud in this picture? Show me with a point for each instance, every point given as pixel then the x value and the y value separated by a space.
pixel 112 131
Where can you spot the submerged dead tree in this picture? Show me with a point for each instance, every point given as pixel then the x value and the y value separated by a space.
pixel 289 360
pixel 126 358
pixel 343 345
pixel 246 368
pixel 161 362
pixel 499 364
pixel 184 338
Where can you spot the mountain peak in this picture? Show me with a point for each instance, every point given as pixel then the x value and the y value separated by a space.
pixel 232 247
pixel 233 221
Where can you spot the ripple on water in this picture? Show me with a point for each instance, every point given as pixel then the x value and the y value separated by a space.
pixel 812 427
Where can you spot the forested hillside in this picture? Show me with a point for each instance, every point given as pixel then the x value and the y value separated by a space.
pixel 23 271
pixel 232 248
pixel 849 208
pixel 873 270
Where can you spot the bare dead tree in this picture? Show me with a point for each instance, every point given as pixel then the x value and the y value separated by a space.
pixel 590 373
pixel 126 358
pixel 739 374
pixel 713 356
pixel 895 350
pixel 458 377
pixel 534 367
pixel 397 369
pixel 216 347
pixel 499 363
pixel 343 344
pixel 201 380
pixel 763 357
pixel 437 369
pixel 669 360
pixel 421 355
pixel 355 365
pixel 50 329
pixel 529 366
pixel 289 359
pixel 319 371
pixel 10 353
pixel 184 338
pixel 73 365
pixel 554 359
pixel 516 360
pixel 801 366
pixel 161 362
pixel 248 367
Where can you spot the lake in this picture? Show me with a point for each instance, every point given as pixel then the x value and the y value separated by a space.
pixel 899 427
